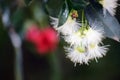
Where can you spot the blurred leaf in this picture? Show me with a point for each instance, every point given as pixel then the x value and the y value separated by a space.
pixel 40 16
pixel 111 26
pixel 28 2
pixel 17 18
pixel 64 13
pixel 52 7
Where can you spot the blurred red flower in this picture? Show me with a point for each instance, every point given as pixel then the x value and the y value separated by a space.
pixel 45 39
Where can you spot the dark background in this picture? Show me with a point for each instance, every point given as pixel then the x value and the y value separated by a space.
pixel 37 67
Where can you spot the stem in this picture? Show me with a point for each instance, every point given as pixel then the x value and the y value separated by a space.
pixel 82 28
pixel 55 67
pixel 18 64
pixel 82 18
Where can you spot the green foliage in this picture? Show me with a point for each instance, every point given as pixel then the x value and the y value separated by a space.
pixel 78 4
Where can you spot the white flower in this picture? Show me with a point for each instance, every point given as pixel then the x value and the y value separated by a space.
pixel 109 5
pixel 94 35
pixel 85 45
pixel 95 51
pixel 69 27
pixel 77 54
pixel 82 54
pixel 85 36
pixel 54 22
pixel 75 38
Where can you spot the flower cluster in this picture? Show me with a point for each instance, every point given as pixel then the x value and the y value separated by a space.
pixel 86 45
pixel 45 40
pixel 85 42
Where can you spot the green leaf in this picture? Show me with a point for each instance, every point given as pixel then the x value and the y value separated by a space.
pixel 78 4
pixel 111 26
pixel 17 18
pixel 52 9
pixel 64 13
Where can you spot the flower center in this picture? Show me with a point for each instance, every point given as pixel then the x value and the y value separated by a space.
pixel 81 49
pixel 92 45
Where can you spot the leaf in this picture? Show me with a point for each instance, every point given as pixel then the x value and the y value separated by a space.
pixel 52 9
pixel 64 13
pixel 109 23
pixel 28 2
pixel 78 4
pixel 17 18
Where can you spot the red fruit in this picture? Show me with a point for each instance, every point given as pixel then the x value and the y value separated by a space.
pixel 48 40
pixel 32 33
pixel 45 40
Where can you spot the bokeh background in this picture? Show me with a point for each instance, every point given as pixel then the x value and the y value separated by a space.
pixel 52 66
